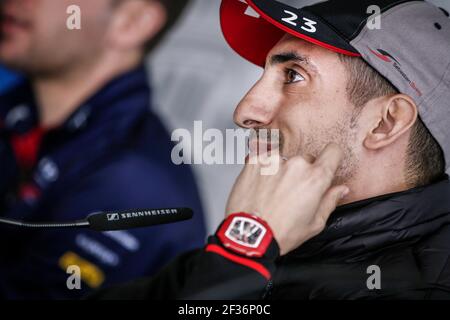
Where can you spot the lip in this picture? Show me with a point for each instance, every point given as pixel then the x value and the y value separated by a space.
pixel 257 146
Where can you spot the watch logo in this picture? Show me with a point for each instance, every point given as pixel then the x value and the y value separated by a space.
pixel 246 232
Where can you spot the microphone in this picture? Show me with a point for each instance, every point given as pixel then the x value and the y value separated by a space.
pixel 113 220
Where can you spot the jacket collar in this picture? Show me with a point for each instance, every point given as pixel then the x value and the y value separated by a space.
pixel 357 229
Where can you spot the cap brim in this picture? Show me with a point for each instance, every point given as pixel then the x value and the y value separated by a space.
pixel 253 27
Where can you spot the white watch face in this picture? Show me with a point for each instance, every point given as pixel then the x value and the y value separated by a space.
pixel 246 232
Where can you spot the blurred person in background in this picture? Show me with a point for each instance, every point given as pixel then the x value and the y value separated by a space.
pixel 78 137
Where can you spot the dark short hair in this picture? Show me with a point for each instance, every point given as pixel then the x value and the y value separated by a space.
pixel 174 9
pixel 425 160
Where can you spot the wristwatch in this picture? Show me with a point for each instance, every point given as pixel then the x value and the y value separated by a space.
pixel 245 234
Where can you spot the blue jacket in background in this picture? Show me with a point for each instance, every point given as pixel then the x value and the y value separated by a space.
pixel 7 79
pixel 113 153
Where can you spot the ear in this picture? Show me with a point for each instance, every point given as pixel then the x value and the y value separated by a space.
pixel 136 22
pixel 398 113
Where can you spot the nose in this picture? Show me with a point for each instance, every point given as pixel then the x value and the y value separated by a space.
pixel 257 109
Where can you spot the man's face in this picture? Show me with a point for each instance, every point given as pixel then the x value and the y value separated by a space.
pixel 35 37
pixel 303 94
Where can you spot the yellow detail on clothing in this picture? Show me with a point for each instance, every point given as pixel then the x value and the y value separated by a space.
pixel 92 275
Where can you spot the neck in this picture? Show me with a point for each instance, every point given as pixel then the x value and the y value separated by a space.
pixel 60 94
pixel 374 186
pixel 378 176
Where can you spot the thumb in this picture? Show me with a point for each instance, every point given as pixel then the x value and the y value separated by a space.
pixel 330 201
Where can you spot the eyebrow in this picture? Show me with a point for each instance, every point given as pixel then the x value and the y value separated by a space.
pixel 292 56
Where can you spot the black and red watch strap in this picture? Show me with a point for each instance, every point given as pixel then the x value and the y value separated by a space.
pixel 249 263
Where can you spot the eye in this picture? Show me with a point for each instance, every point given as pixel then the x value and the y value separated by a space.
pixel 293 76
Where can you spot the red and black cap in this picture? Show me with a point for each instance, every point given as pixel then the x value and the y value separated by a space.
pixel 253 27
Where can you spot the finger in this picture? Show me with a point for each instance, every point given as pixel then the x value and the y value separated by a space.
pixel 250 167
pixel 330 201
pixel 268 156
pixel 330 158
pixel 251 159
pixel 270 163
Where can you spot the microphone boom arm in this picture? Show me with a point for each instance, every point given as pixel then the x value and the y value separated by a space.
pixel 45 225
pixel 114 220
